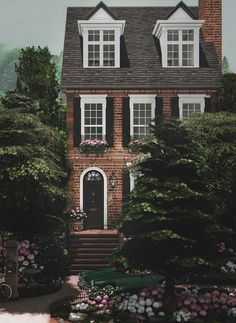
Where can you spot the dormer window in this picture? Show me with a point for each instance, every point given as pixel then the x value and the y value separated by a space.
pixel 102 48
pixel 180 47
pixel 179 38
pixel 101 34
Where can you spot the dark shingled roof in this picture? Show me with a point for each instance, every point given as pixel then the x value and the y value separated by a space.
pixel 140 56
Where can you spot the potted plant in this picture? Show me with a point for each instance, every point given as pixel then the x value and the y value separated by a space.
pixel 76 216
pixel 93 146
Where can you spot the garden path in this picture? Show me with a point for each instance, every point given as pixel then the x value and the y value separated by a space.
pixel 36 309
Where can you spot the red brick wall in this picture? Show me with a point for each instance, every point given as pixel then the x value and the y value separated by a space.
pixel 114 160
pixel 211 12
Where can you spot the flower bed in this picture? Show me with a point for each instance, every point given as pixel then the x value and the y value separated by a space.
pixel 193 305
pixel 93 146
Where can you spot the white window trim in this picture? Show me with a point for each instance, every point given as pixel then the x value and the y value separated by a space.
pixel 116 25
pixel 191 98
pixel 91 98
pixel 105 190
pixel 160 31
pixel 140 98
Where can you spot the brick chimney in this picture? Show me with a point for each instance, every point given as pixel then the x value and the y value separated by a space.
pixel 211 12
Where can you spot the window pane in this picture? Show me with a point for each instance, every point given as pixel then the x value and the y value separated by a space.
pixel 188 55
pixel 109 55
pixel 108 35
pixel 93 118
pixel 141 119
pixel 187 35
pixel 93 35
pixel 191 108
pixel 173 35
pixel 93 55
pixel 173 55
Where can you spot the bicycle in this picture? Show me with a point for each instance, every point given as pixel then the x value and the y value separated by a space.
pixel 5 289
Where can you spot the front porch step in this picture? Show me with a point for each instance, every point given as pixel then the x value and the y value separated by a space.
pixel 89 250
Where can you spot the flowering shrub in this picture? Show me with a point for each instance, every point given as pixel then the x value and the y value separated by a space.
pixel 27 255
pixel 77 214
pixel 93 146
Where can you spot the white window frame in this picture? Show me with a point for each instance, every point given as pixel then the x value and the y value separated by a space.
pixel 161 30
pixel 91 98
pixel 116 25
pixel 180 44
pixel 191 98
pixel 141 98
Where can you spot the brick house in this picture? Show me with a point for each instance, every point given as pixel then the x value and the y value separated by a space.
pixel 123 66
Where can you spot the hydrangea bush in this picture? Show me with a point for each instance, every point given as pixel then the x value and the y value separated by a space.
pixel 27 256
pixel 148 305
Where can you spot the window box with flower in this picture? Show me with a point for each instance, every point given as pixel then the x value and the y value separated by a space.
pixel 93 146
pixel 77 217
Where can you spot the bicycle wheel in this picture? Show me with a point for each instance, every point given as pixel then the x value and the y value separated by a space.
pixel 5 292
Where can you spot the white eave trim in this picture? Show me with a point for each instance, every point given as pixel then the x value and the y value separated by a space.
pixel 100 24
pixel 175 24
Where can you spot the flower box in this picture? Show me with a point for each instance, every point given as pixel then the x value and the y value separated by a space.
pixel 93 146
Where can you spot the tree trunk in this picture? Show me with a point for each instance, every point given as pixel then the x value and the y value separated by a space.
pixel 170 300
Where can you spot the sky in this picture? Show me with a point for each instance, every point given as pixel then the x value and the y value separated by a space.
pixel 42 22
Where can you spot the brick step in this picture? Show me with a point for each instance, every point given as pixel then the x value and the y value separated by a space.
pixel 92 245
pixel 89 251
pixel 91 240
pixel 83 261
pixel 92 235
pixel 78 255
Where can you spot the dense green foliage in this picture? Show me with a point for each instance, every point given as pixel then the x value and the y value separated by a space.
pixel 32 172
pixel 169 218
pixel 36 78
pixel 229 93
pixel 217 135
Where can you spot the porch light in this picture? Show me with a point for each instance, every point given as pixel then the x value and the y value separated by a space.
pixel 113 180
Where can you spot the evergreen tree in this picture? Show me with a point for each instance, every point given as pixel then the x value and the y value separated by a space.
pixel 36 78
pixel 169 217
pixel 229 93
pixel 33 172
pixel 225 65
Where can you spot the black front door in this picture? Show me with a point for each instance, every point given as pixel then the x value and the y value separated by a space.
pixel 93 200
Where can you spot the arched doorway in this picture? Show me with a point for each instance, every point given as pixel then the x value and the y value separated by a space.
pixel 93 199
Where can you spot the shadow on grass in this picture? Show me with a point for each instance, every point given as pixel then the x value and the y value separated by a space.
pixel 40 304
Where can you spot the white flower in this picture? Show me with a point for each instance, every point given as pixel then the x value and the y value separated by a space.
pixel 142 303
pixel 156 304
pixel 148 302
pixel 148 309
pixel 161 314
pixel 141 309
pixel 135 297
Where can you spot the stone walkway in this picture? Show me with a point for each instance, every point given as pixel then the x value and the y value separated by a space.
pixel 35 309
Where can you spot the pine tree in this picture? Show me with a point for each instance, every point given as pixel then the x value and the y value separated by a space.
pixel 169 218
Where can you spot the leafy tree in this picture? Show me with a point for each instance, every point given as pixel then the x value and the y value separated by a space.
pixel 32 172
pixel 217 135
pixel 229 93
pixel 36 78
pixel 225 65
pixel 169 218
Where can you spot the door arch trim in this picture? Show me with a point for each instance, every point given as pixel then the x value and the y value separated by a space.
pixel 85 171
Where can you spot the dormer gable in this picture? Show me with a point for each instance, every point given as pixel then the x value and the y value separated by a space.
pixel 179 37
pixel 101 33
pixel 101 12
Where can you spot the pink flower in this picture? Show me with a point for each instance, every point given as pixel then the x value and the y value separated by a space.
pixel 193 306
pixel 106 297
pixel 187 302
pixel 104 302
pixel 100 305
pixel 30 256
pixel 98 298
pixel 22 250
pixel 21 258
pixel 203 312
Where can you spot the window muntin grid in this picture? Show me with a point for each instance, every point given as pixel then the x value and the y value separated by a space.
pixel 101 48
pixel 180 47
pixel 93 121
pixel 142 116
pixel 190 109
